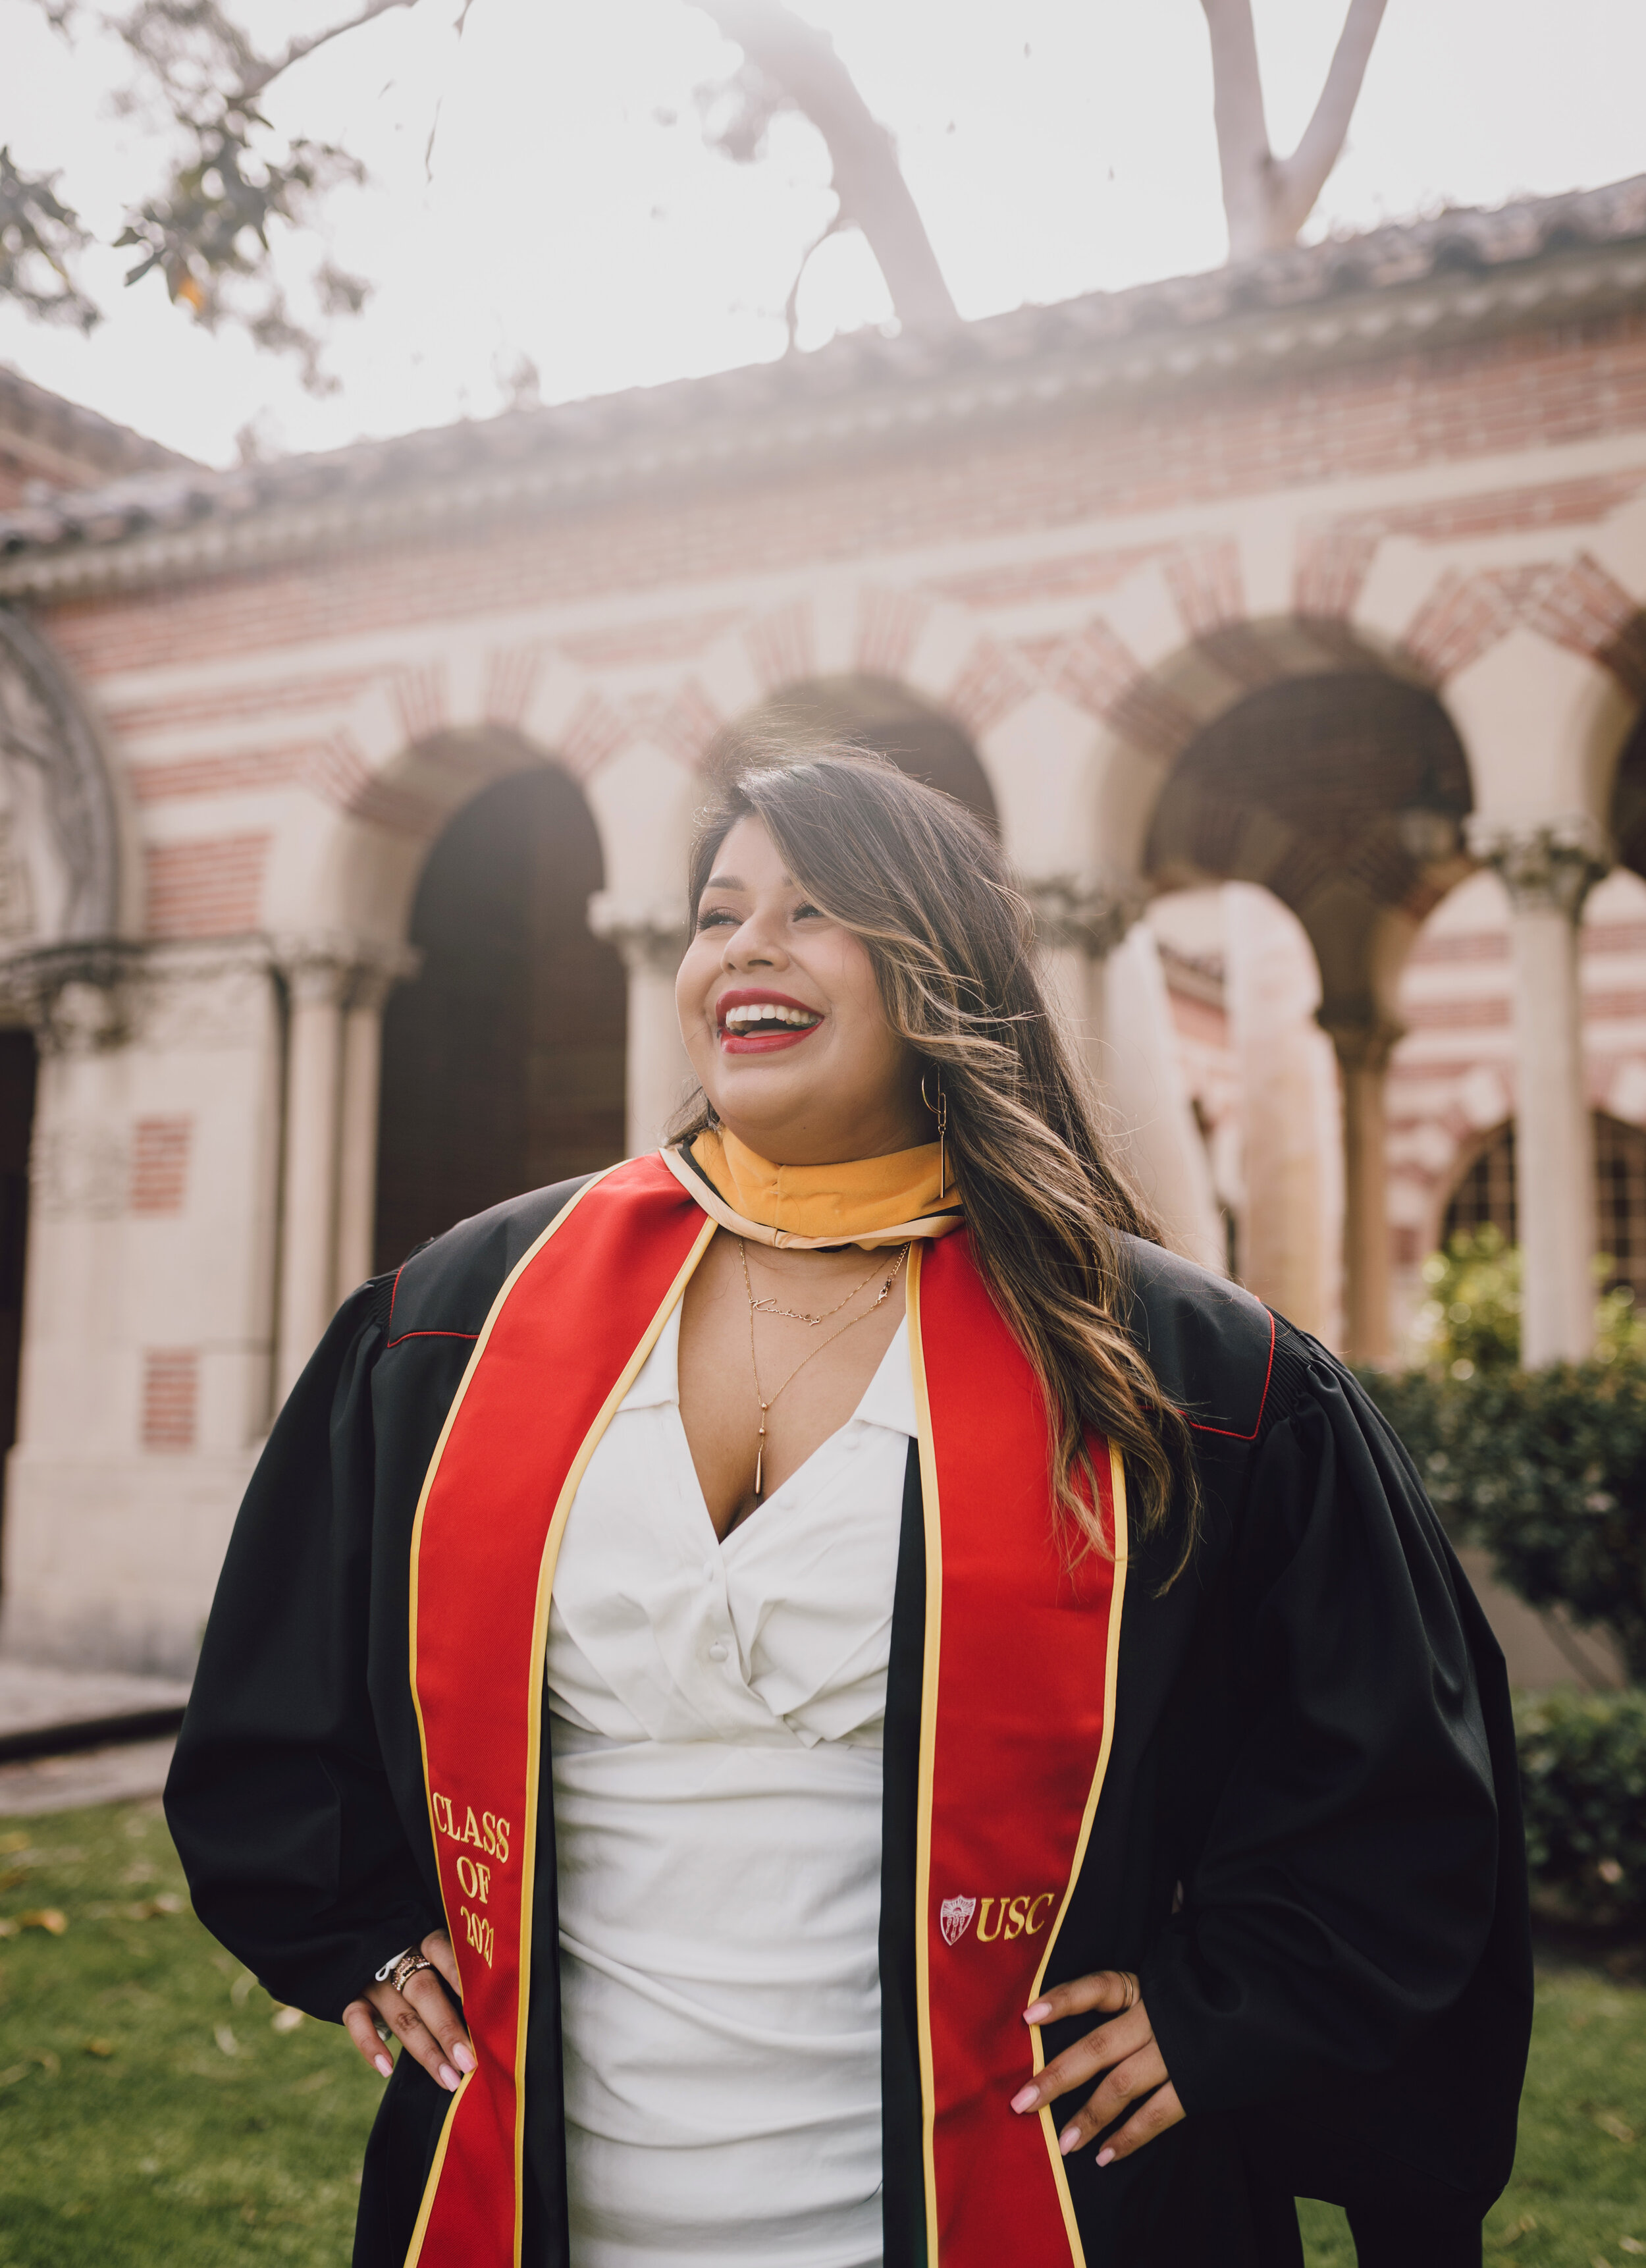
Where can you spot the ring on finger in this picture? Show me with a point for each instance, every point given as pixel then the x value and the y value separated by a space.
pixel 405 1968
pixel 1133 1990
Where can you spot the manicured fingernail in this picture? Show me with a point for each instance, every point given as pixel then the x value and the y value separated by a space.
pixel 385 2066
pixel 1037 2012
pixel 1105 2157
pixel 1067 2139
pixel 449 2078
pixel 463 2057
pixel 1025 2097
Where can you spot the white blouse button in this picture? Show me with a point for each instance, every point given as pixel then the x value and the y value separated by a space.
pixel 719 1650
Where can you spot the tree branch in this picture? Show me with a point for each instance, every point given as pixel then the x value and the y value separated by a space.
pixel 297 49
pixel 1302 176
pixel 1267 199
pixel 1243 152
pixel 868 180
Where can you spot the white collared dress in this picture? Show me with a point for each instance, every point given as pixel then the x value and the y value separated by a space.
pixel 717 1721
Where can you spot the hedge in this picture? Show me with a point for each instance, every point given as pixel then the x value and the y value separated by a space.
pixel 1582 1776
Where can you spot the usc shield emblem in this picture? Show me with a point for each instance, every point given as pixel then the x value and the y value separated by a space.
pixel 954 1918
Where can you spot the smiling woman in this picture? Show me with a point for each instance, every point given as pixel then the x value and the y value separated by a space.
pixel 842 1705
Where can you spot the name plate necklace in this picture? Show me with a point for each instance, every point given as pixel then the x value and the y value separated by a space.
pixel 770 1307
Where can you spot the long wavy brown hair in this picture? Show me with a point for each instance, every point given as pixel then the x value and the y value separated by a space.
pixel 927 888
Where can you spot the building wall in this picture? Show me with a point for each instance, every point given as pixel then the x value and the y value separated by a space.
pixel 1078 593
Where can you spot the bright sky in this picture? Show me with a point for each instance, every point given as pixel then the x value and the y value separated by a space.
pixel 573 215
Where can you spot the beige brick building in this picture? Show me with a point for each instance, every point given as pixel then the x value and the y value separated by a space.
pixel 1289 622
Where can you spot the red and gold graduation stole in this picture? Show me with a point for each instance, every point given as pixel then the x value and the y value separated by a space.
pixel 1016 1703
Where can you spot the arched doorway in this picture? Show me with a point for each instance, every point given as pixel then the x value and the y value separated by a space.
pixel 873 712
pixel 1342 792
pixel 502 1060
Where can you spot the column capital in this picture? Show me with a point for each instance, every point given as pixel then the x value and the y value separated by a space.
pixel 1361 1038
pixel 75 996
pixel 648 934
pixel 334 969
pixel 1545 865
pixel 1090 915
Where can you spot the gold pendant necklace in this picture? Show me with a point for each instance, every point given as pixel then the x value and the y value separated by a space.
pixel 794 1315
pixel 766 1400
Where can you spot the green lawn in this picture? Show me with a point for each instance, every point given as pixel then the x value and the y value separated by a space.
pixel 156 2112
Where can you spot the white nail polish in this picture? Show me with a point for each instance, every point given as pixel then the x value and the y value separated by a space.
pixel 385 2066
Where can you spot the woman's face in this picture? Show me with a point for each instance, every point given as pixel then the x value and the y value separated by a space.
pixel 781 1019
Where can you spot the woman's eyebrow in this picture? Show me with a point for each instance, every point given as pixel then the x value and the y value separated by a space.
pixel 722 882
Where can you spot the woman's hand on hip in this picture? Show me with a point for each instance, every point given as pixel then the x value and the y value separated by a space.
pixel 423 2018
pixel 1124 2048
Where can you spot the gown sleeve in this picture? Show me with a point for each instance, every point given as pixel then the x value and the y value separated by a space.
pixel 1344 1895
pixel 278 1799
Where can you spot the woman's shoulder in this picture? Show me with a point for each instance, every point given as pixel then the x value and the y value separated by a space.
pixel 448 1285
pixel 1210 1344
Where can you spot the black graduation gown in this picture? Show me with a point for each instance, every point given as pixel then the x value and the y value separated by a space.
pixel 1314 1764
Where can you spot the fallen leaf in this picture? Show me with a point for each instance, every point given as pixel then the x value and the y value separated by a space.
pixel 240 1990
pixel 313 2083
pixel 9 2077
pixel 8 1929
pixel 1609 2123
pixel 286 2020
pixel 17 1840
pixel 50 1918
pixel 49 2062
pixel 1630 2244
pixel 100 2047
pixel 226 2040
pixel 1522 2227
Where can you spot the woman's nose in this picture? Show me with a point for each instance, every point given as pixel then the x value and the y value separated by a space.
pixel 755 945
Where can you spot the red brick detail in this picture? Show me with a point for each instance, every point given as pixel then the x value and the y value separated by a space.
pixel 212 889
pixel 1465 945
pixel 244 772
pixel 170 1397
pixel 159 1164
pixel 1204 581
pixel 1611 936
pixel 1333 560
pixel 1076 574
pixel 781 647
pixel 1586 610
pixel 991 684
pixel 1454 1015
pixel 420 697
pixel 1100 673
pixel 689 725
pixel 511 673
pixel 889 623
pixel 340 775
pixel 1613 1008
pixel 233 705
pixel 1461 619
pixel 626 645
pixel 594 733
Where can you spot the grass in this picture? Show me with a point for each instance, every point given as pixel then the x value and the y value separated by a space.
pixel 154 2111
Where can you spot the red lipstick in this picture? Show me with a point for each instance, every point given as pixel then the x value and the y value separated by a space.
pixel 784 1023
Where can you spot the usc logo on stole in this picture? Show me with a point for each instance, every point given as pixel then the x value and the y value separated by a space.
pixel 1001 1918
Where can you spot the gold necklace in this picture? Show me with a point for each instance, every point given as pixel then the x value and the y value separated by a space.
pixel 770 1307
pixel 766 1400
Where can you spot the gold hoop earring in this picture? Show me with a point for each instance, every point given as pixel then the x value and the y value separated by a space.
pixel 940 1112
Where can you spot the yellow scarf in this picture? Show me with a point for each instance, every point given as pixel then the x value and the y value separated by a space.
pixel 867 1201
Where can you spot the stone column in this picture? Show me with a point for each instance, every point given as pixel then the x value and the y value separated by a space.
pixel 1548 871
pixel 1363 1044
pixel 318 982
pixel 1077 925
pixel 657 1074
pixel 362 1071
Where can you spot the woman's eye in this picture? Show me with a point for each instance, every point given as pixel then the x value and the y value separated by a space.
pixel 712 916
pixel 809 913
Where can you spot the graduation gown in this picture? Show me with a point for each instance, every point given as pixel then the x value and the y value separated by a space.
pixel 1282 1789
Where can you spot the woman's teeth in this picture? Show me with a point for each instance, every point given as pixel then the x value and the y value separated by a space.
pixel 741 1019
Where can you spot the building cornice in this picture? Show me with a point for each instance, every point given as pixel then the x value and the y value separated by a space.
pixel 856 396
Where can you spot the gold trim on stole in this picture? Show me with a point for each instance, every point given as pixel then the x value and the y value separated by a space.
pixel 1110 1679
pixel 540 1638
